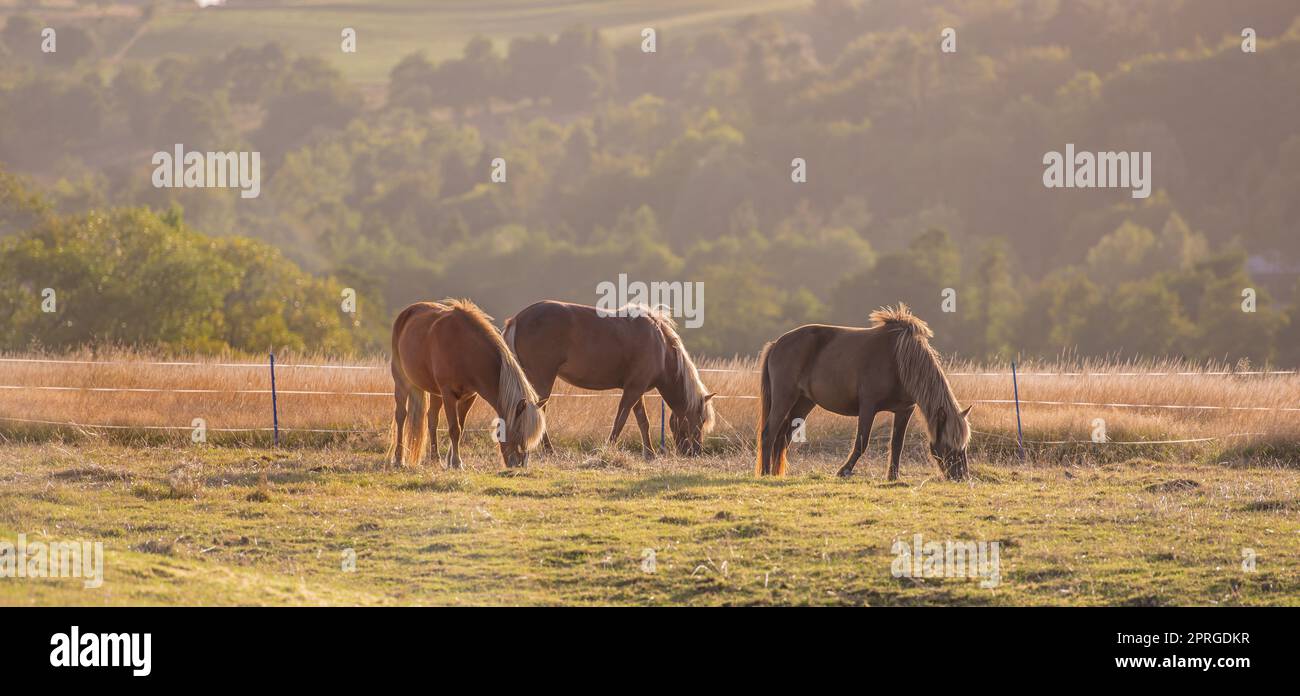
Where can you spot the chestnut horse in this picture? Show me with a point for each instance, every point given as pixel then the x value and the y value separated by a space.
pixel 860 372
pixel 635 350
pixel 445 355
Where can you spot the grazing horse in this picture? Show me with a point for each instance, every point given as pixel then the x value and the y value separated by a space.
pixel 635 350
pixel 860 372
pixel 445 355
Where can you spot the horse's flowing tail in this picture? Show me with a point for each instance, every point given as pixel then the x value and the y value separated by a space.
pixel 414 438
pixel 414 435
pixel 417 435
pixel 765 405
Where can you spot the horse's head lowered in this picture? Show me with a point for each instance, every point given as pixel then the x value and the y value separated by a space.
pixel 691 423
pixel 948 444
pixel 523 430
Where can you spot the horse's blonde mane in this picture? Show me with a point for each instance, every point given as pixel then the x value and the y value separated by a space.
pixel 920 370
pixel 512 386
pixel 693 388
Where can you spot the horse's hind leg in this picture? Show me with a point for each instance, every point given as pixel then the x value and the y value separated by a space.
pixel 643 422
pixel 801 409
pixel 866 416
pixel 896 441
pixel 775 428
pixel 399 418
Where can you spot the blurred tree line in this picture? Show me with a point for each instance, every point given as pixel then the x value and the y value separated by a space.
pixel 924 177
pixel 138 277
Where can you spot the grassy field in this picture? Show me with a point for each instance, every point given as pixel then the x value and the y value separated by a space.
pixel 387 30
pixel 233 521
pixel 250 526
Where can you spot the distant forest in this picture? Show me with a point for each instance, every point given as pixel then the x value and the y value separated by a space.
pixel 924 173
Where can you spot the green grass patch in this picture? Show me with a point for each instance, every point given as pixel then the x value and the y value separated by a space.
pixel 209 525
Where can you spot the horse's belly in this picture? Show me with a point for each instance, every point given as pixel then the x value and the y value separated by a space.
pixel 595 381
pixel 836 398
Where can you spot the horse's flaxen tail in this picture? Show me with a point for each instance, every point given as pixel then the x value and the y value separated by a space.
pixel 764 466
pixel 417 440
pixel 414 438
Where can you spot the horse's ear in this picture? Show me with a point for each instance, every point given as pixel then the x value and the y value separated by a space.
pixel 519 409
pixel 709 396
pixel 966 414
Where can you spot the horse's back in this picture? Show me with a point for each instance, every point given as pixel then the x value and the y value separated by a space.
pixel 804 344
pixel 539 321
pixel 835 366
pixel 583 346
pixel 540 333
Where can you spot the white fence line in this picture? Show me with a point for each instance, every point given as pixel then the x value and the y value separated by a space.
pixel 615 394
pixel 72 424
pixel 610 394
pixel 146 363
pixel 280 392
pixel 1099 404
pixel 266 366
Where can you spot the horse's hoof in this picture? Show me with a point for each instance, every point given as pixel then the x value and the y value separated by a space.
pixel 844 473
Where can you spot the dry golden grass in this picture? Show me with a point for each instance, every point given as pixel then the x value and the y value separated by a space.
pixel 1254 415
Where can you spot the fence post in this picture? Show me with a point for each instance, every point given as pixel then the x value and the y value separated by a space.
pixel 1020 434
pixel 662 408
pixel 275 409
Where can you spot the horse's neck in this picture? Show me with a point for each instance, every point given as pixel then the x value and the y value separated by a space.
pixel 941 401
pixel 933 406
pixel 670 382
pixel 490 388
pixel 934 395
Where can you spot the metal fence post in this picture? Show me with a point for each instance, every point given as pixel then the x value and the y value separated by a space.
pixel 275 408
pixel 1020 433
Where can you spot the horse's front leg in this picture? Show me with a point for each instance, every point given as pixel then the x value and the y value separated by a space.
pixel 449 404
pixel 462 408
pixel 630 397
pixel 399 418
pixel 866 415
pixel 643 422
pixel 896 441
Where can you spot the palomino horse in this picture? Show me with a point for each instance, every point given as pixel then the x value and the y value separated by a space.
pixel 635 350
pixel 860 372
pixel 451 351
